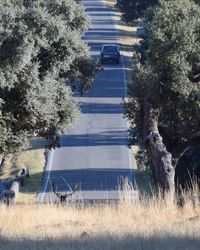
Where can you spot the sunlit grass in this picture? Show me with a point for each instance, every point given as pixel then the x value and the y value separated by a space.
pixel 146 223
pixel 33 160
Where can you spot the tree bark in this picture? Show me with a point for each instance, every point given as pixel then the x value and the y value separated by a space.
pixel 161 158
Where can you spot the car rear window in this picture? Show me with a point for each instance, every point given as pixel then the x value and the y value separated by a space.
pixel 110 49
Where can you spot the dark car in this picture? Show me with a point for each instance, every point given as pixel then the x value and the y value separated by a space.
pixel 110 53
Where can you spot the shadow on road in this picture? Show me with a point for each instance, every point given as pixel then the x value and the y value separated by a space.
pixel 96 179
pixel 101 108
pixel 105 138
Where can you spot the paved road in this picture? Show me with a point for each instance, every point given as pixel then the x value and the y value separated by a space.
pixel 94 153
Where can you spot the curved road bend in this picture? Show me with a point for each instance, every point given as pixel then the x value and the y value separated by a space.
pixel 94 153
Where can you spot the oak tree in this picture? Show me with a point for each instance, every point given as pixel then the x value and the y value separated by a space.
pixel 165 92
pixel 40 45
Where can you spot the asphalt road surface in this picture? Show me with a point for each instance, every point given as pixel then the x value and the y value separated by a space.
pixel 95 153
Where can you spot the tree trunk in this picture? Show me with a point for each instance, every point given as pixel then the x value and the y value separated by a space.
pixel 161 158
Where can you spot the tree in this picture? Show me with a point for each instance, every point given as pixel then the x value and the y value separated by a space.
pixel 40 46
pixel 165 93
pixel 134 9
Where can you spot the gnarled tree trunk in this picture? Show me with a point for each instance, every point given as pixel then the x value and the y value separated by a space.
pixel 161 158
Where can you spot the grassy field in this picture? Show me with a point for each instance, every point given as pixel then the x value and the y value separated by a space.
pixel 151 224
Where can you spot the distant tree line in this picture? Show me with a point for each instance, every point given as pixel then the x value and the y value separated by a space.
pixel 134 9
pixel 164 103
pixel 40 49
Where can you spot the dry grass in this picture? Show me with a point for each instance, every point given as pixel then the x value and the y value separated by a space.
pixel 147 224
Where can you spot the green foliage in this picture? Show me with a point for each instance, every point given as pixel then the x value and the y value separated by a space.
pixel 169 75
pixel 134 9
pixel 40 45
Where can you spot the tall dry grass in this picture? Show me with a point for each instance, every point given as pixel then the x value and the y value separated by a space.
pixel 142 223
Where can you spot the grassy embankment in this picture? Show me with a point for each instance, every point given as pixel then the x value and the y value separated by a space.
pixel 34 160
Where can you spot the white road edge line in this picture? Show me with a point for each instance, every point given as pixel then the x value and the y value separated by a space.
pixel 48 168
pixel 125 83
